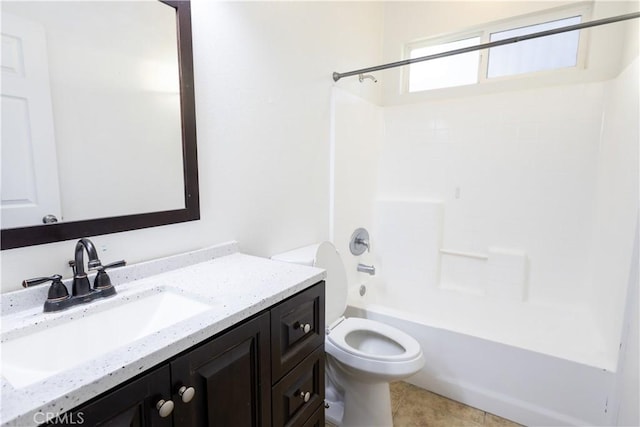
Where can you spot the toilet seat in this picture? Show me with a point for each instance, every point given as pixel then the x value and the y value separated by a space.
pixel 368 366
pixel 338 336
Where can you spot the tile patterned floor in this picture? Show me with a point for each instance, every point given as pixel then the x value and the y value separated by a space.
pixel 415 407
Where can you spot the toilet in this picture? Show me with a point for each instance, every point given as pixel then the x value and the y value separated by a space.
pixel 363 355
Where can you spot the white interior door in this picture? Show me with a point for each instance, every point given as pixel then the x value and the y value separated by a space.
pixel 29 186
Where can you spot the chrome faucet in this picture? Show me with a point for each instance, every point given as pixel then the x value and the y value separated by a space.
pixel 364 268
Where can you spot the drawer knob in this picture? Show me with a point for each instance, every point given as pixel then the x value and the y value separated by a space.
pixel 305 327
pixel 186 393
pixel 164 407
pixel 305 395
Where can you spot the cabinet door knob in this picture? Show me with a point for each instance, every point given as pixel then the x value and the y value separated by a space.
pixel 164 407
pixel 186 393
pixel 305 395
pixel 305 327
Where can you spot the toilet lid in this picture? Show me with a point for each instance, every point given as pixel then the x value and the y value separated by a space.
pixel 327 257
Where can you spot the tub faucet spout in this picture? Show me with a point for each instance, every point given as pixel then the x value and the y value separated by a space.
pixel 369 269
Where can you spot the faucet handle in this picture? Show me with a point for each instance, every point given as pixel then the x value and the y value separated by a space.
pixel 359 242
pixel 364 242
pixel 102 280
pixel 57 291
pixel 72 264
pixel 38 280
pixel 120 263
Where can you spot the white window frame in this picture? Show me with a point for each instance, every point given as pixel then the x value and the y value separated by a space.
pixel 485 31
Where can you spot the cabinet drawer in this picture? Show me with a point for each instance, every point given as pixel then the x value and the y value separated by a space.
pixel 290 344
pixel 317 419
pixel 288 397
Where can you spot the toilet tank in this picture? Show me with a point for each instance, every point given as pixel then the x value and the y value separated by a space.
pixel 305 255
pixel 323 255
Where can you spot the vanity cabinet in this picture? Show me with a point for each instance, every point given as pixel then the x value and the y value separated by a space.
pixel 265 371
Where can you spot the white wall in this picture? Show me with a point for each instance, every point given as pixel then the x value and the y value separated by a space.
pixel 515 170
pixel 270 110
pixel 627 411
pixel 617 200
pixel 357 137
pixel 263 87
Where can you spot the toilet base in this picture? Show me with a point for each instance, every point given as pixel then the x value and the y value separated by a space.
pixel 355 400
pixel 367 405
pixel 334 413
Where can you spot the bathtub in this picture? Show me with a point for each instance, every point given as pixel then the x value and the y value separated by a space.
pixel 519 361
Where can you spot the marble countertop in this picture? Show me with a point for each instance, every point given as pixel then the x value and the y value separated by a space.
pixel 236 285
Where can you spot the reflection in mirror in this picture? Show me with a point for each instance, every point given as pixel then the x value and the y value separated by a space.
pixel 98 126
pixel 109 106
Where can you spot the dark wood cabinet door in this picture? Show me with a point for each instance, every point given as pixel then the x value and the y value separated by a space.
pixel 131 405
pixel 231 377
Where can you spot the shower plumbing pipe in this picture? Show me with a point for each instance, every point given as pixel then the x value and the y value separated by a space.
pixel 337 76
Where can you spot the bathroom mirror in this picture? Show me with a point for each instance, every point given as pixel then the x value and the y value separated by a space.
pixel 112 139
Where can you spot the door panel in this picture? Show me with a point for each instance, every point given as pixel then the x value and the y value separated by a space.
pixel 30 187
pixel 231 377
pixel 131 405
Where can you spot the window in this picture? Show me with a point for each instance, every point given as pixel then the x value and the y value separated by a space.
pixel 544 53
pixel 529 56
pixel 450 71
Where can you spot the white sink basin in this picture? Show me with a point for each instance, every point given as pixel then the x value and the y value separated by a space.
pixel 64 344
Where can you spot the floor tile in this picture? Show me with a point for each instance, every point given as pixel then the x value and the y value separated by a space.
pixel 491 420
pixel 398 390
pixel 415 407
pixel 422 408
pixel 441 406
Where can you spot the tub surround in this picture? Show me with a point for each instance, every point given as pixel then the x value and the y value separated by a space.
pixel 236 285
pixel 526 386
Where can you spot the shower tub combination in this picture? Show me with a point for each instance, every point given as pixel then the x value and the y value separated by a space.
pixel 519 294
pixel 485 343
pixel 472 364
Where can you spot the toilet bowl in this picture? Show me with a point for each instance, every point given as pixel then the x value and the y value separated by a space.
pixel 363 355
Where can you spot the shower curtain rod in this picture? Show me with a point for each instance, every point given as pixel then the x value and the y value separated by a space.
pixel 610 20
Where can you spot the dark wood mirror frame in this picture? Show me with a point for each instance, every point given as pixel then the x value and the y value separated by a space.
pixel 40 234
